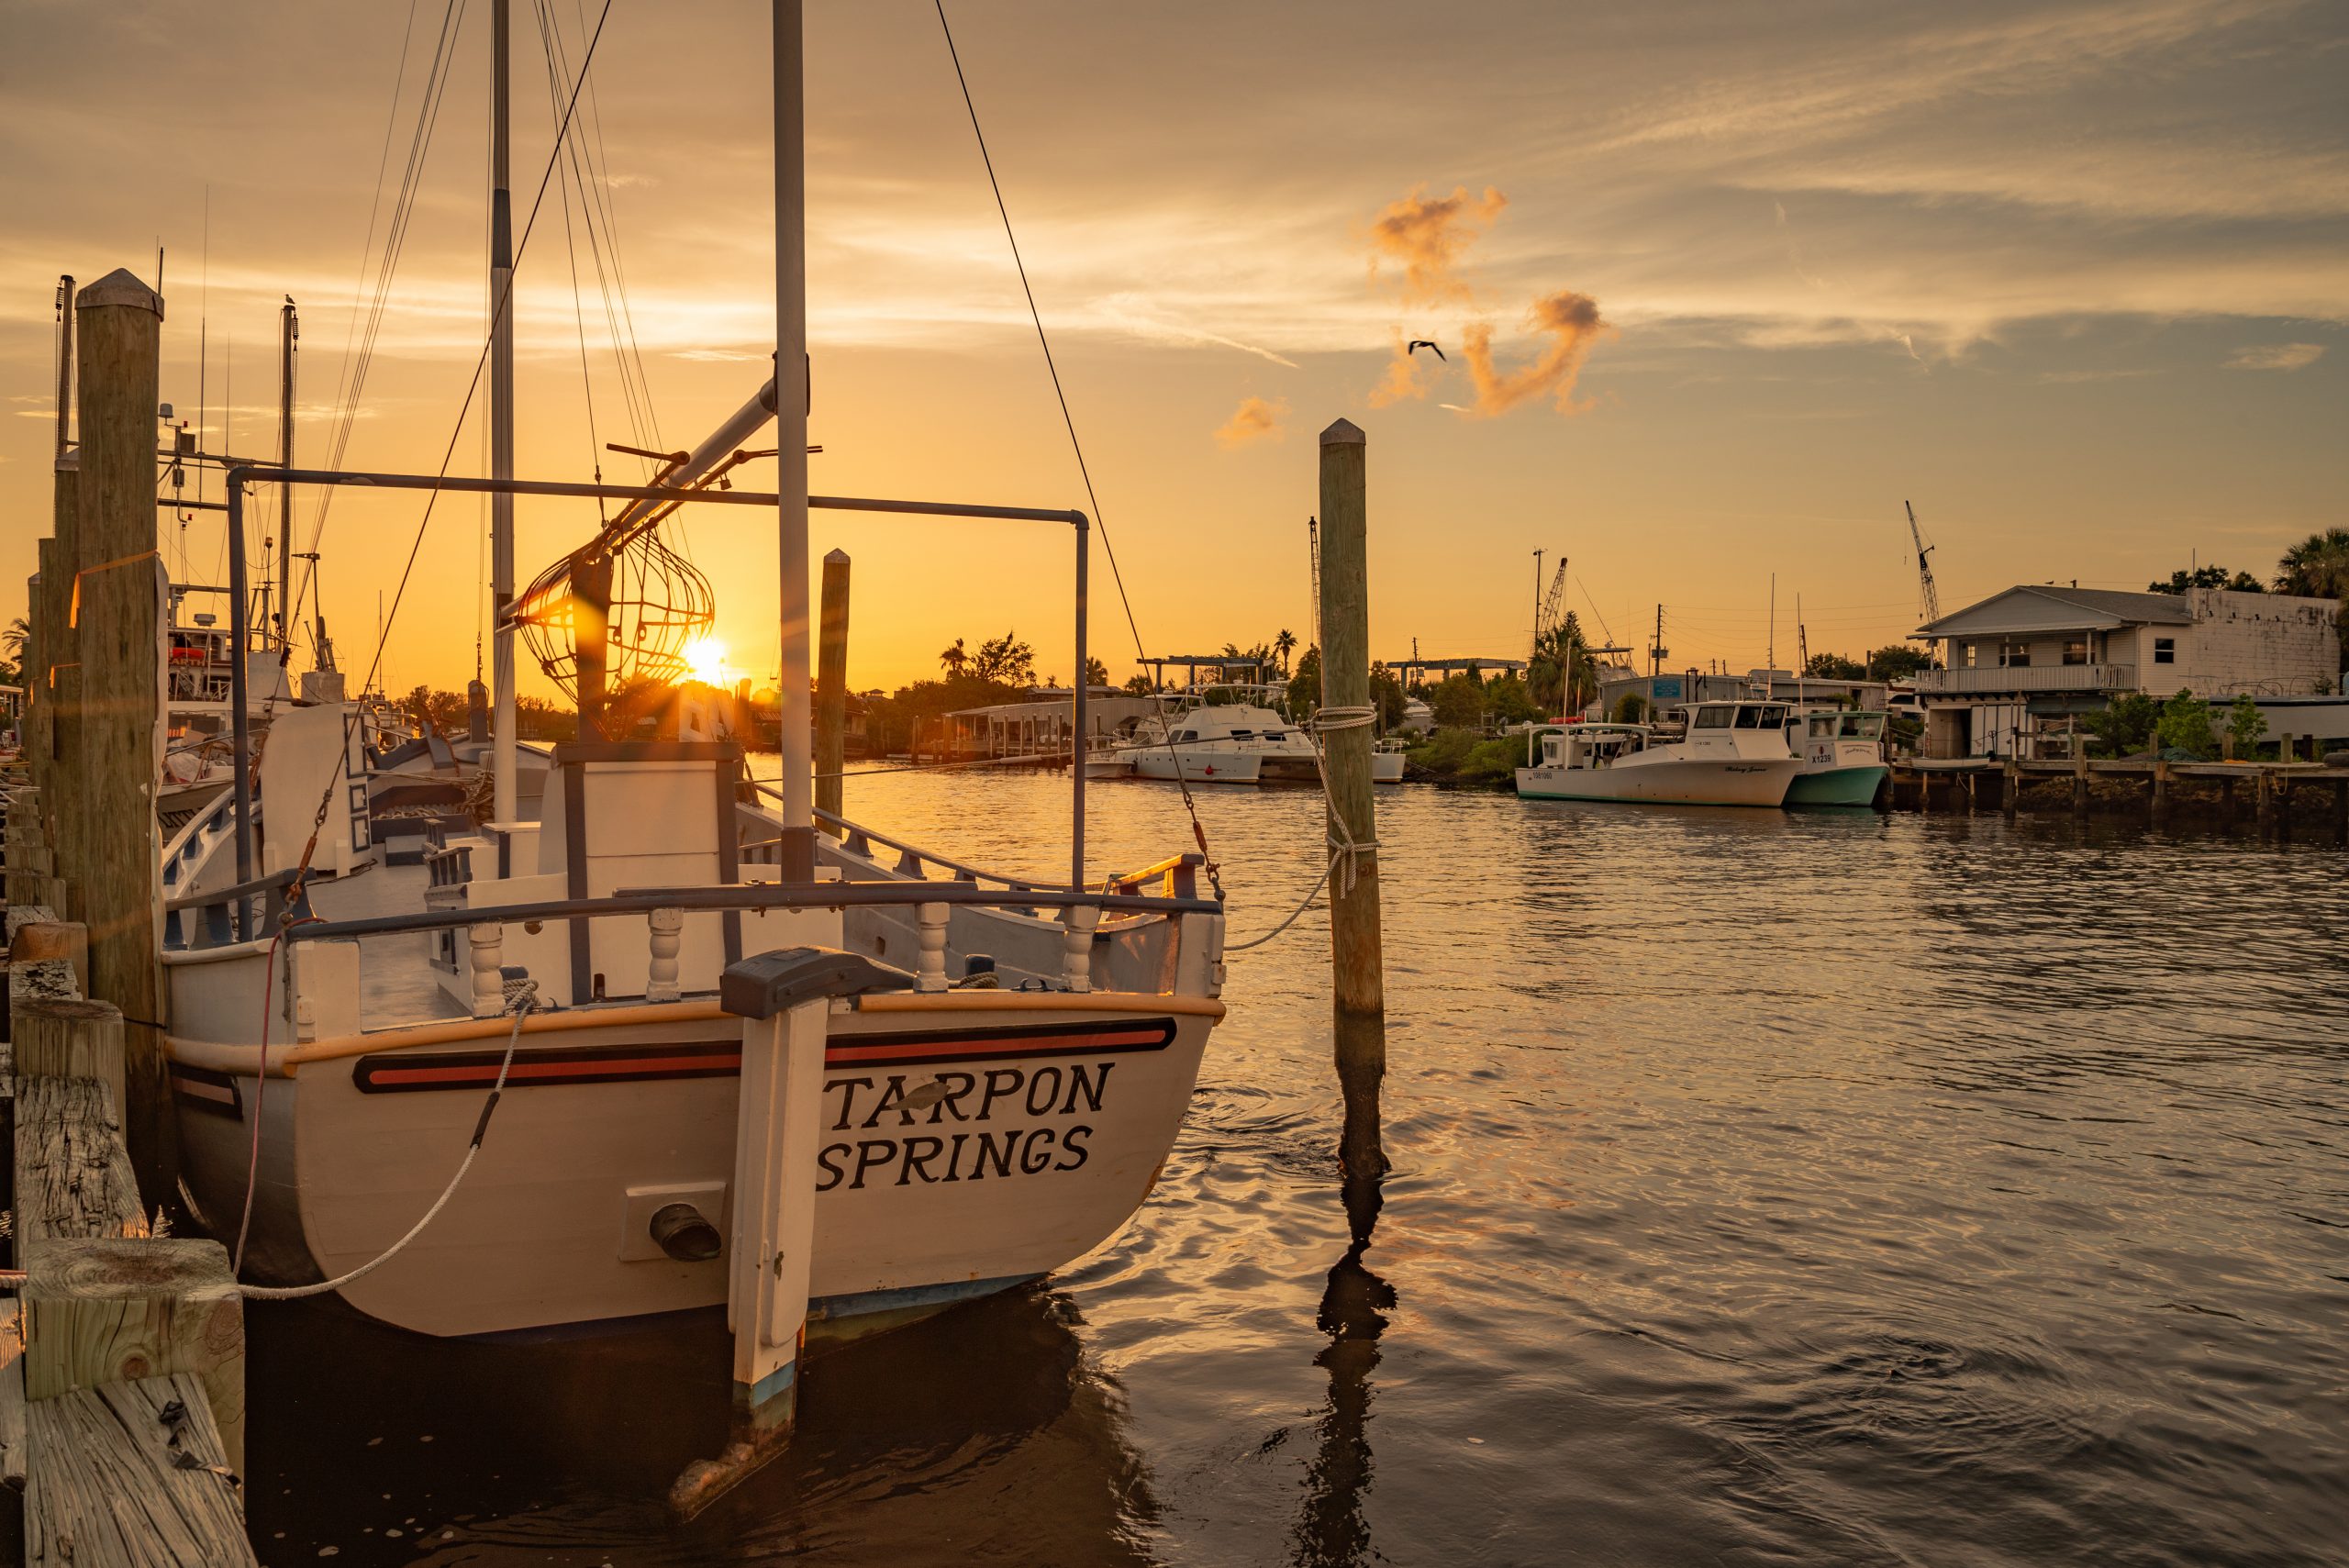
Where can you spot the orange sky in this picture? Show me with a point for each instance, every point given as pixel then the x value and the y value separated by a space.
pixel 2070 277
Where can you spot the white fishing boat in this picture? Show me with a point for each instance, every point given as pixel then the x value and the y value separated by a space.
pixel 1223 725
pixel 1734 754
pixel 198 748
pixel 1161 749
pixel 1842 753
pixel 629 977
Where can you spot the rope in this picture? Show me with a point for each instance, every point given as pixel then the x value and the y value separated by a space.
pixel 1198 831
pixel 1343 849
pixel 522 998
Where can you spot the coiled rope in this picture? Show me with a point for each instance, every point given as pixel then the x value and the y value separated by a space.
pixel 521 1000
pixel 1345 851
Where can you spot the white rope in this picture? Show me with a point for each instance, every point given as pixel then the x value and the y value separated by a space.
pixel 522 997
pixel 1343 849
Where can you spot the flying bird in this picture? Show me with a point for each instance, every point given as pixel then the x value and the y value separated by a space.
pixel 1418 343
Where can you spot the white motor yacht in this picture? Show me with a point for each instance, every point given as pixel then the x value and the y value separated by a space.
pixel 1734 754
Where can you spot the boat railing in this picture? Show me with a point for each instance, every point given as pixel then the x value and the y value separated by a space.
pixel 1178 877
pixel 226 915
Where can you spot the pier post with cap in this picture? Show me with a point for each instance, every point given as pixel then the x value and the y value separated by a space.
pixel 63 801
pixel 119 638
pixel 831 684
pixel 1345 725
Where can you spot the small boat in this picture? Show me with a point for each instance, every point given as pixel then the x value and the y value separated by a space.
pixel 1734 754
pixel 1233 722
pixel 1152 754
pixel 1842 753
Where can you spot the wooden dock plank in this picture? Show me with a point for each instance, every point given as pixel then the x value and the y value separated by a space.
pixel 73 1175
pixel 131 1475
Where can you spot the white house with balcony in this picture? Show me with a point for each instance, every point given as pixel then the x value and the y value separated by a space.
pixel 2031 658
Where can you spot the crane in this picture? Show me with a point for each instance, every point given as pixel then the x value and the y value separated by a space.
pixel 1547 620
pixel 1924 567
pixel 1313 558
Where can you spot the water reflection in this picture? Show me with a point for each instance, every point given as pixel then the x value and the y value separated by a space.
pixel 1331 1532
pixel 549 1448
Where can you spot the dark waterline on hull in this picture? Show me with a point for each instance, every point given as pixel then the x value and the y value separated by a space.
pixel 1806 1187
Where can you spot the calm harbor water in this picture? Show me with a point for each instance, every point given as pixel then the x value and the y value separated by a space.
pixel 1825 1189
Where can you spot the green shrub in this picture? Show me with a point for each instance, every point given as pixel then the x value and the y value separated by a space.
pixel 1631 708
pixel 2185 725
pixel 2245 725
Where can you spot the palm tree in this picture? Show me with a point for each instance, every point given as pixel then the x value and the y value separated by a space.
pixel 954 659
pixel 19 631
pixel 2318 566
pixel 1285 645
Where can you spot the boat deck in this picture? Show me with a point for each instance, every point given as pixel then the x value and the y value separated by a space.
pixel 397 984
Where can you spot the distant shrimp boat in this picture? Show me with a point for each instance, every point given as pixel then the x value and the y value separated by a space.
pixel 1842 752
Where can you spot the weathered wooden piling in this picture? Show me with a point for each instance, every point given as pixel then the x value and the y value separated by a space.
pixel 1346 721
pixel 61 794
pixel 120 592
pixel 2080 783
pixel 2157 789
pixel 2010 789
pixel 831 684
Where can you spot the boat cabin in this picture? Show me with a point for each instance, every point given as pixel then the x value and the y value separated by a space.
pixel 1586 745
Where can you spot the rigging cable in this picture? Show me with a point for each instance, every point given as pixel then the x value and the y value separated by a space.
pixel 1141 653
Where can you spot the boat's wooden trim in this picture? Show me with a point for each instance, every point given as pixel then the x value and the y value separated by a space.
pixel 1038 1002
pixel 286 1060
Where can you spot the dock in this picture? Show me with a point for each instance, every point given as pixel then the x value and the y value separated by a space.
pixel 2276 796
pixel 122 1347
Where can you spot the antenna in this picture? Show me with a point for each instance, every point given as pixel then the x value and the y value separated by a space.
pixel 1924 567
pixel 1313 559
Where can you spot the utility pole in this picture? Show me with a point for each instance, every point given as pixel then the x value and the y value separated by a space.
pixel 1656 649
pixel 1537 607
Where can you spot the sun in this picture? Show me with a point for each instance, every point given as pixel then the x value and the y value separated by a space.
pixel 706 661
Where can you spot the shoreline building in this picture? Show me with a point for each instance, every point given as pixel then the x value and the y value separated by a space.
pixel 2032 659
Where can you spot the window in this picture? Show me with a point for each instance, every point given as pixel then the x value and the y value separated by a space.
pixel 2164 650
pixel 2014 655
pixel 1713 717
pixel 2076 650
pixel 1965 656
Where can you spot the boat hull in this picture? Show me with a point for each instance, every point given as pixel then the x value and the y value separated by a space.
pixel 1748 782
pixel 1838 786
pixel 972 1141
pixel 1197 765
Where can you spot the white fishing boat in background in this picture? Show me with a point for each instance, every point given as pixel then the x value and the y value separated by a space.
pixel 1218 727
pixel 1734 754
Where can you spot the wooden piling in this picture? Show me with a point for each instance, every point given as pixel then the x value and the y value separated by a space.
pixel 831 684
pixel 2079 784
pixel 63 803
pixel 2227 802
pixel 1359 984
pixel 2010 789
pixel 2158 791
pixel 2266 801
pixel 66 1038
pixel 38 941
pixel 120 590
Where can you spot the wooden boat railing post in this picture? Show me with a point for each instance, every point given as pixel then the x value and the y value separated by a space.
pixel 665 942
pixel 929 971
pixel 120 597
pixel 1359 988
pixel 1082 920
pixel 485 951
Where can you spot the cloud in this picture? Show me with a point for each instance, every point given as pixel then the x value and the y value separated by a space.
pixel 1256 419
pixel 2277 357
pixel 1573 323
pixel 1427 235
pixel 1407 376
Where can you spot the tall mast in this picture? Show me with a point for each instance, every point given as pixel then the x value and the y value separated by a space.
pixel 798 845
pixel 289 332
pixel 505 804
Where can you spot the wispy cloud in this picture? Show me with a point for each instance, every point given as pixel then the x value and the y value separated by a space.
pixel 1256 419
pixel 1427 236
pixel 2276 357
pixel 1572 323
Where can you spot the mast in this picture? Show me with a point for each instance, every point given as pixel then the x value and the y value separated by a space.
pixel 65 363
pixel 289 332
pixel 505 805
pixel 797 849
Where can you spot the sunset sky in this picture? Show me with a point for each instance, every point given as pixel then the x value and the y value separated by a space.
pixel 2072 278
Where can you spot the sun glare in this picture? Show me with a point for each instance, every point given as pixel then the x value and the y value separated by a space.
pixel 706 661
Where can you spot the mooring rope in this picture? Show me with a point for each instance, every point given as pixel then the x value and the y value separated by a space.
pixel 522 998
pixel 1344 849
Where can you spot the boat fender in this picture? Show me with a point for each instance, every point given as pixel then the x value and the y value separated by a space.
pixel 684 1233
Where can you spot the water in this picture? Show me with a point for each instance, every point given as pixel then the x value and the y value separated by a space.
pixel 1828 1189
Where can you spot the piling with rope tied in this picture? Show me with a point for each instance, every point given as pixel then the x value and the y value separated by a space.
pixel 1356 963
pixel 119 616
